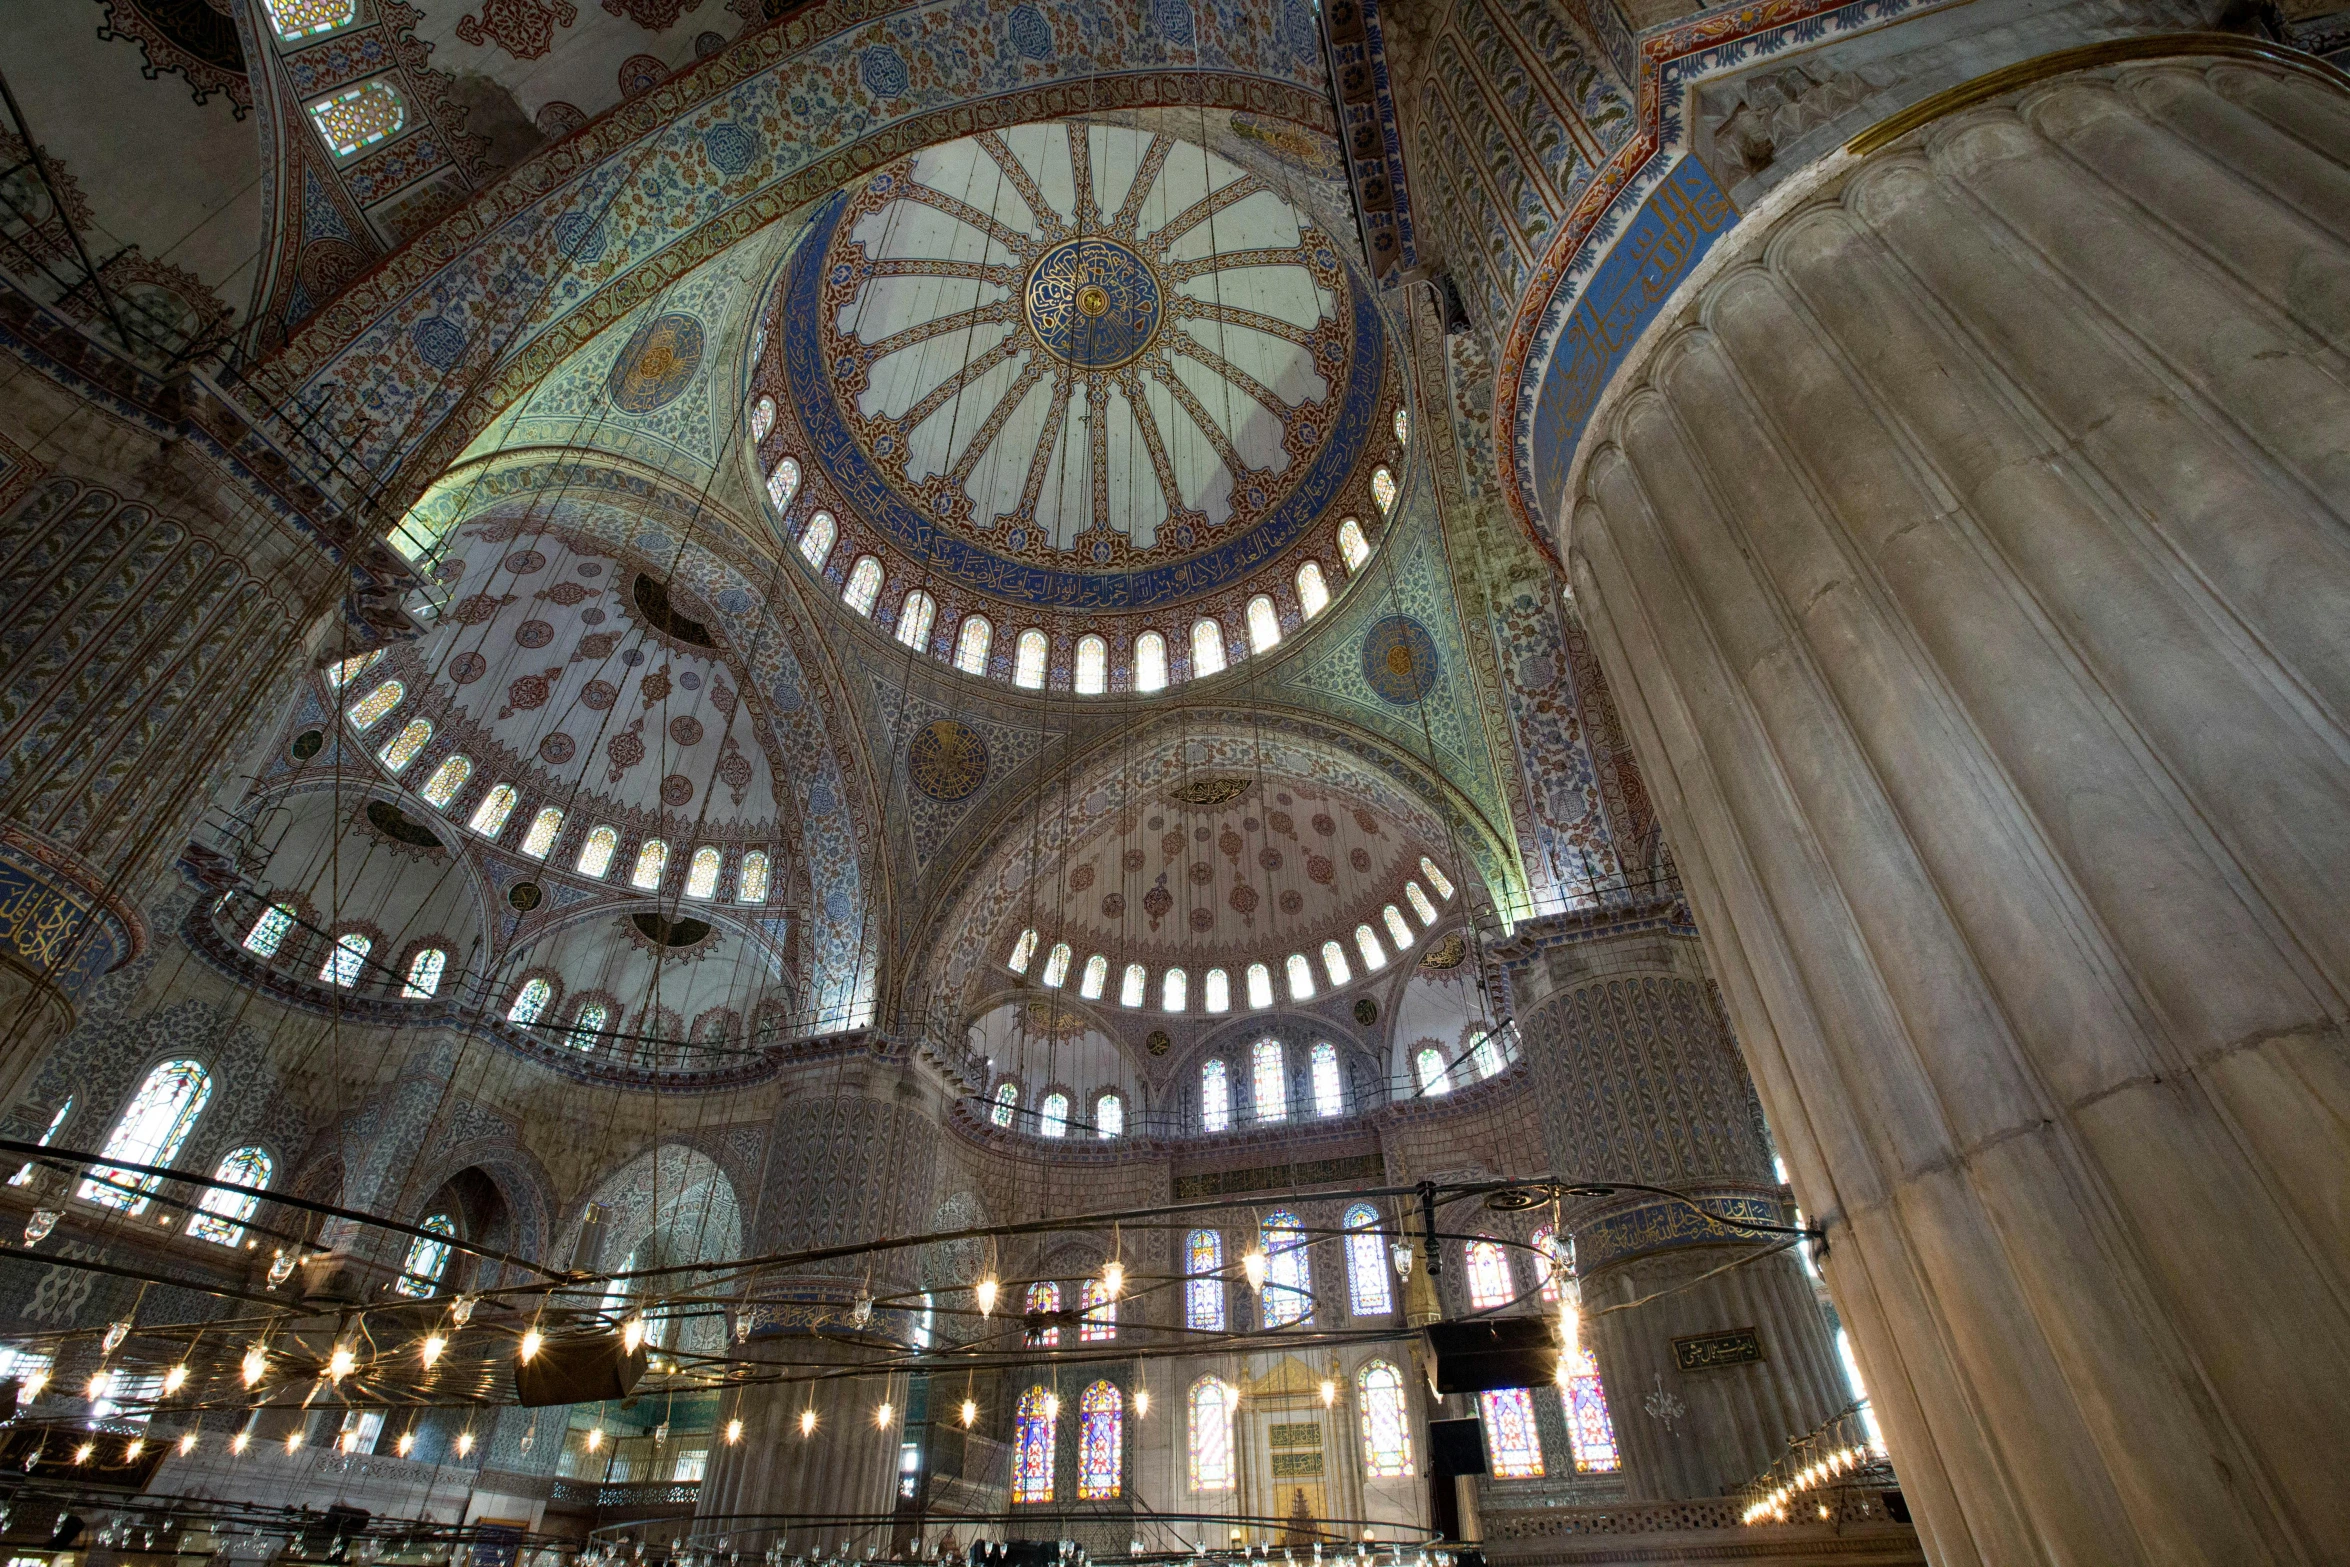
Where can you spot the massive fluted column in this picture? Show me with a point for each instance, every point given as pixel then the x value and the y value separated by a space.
pixel 1971 554
pixel 1639 1080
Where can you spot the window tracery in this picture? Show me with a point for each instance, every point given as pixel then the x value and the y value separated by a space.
pixel 1044 1298
pixel 1335 965
pixel 1301 977
pixel 489 817
pixel 1591 1431
pixel 1490 1284
pixel 1028 656
pixel 1367 1289
pixel 427 1259
pixel 539 842
pixel 359 117
pixel 1429 1064
pixel 1383 489
pixel 1367 943
pixel 269 930
pixel 914 620
pixel 1212 1404
pixel 424 974
pixel 1289 1282
pixel 816 539
pixel 1093 666
pixel 1097 1313
pixel 1419 902
pixel 402 748
pixel 342 673
pixel 1023 951
pixel 1513 1445
pixel 1215 1096
pixel 1150 662
pixel 751 882
pixel 701 873
pixel 1174 990
pixel 446 780
pixel 1313 594
pixel 530 1002
pixel 1436 878
pixel 762 418
pixel 1353 547
pixel 587 1026
pixel 153 1126
pixel 1329 1092
pixel 1109 1116
pixel 783 483
pixel 1131 985
pixel 1264 624
pixel 1269 1080
pixel 1032 1445
pixel 971 644
pixel 1203 1284
pixel 1397 931
pixel 1260 987
pixel 369 710
pixel 1052 1116
pixel 221 1215
pixel 864 585
pixel 1007 1100
pixel 347 959
pixel 1097 975
pixel 652 860
pixel 1100 1442
pixel 1386 1421
pixel 1207 648
pixel 595 855
pixel 1216 992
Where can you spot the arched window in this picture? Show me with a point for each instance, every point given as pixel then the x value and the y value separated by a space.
pixel 1203 1282
pixel 1397 931
pixel 1334 963
pixel 914 618
pixel 428 1258
pixel 359 117
pixel 1216 996
pixel 1093 666
pixel 864 585
pixel 1591 1434
pixel 401 749
pixel 1513 1447
pixel 1212 1404
pixel 595 855
pixel 489 817
pixel 446 780
pixel 1313 594
pixel 1095 977
pixel 1150 662
pixel 221 1215
pixel 1546 1271
pixel 701 872
pixel 1056 965
pixel 1353 548
pixel 158 1119
pixel 424 974
pixel 783 483
pixel 346 960
pixel 539 842
pixel 1101 1442
pixel 299 19
pixel 587 1026
pixel 762 418
pixel 1367 1291
pixel 530 1002
pixel 926 1323
pixel 1419 902
pixel 1429 1065
pixel 816 540
pixel 1387 1426
pixel 1383 489
pixel 1028 655
pixel 24 1173
pixel 1109 1116
pixel 269 931
pixel 1097 1313
pixel 1023 951
pixel 1207 648
pixel 1174 990
pixel 1052 1116
pixel 1367 943
pixel 1131 985
pixel 1260 987
pixel 369 710
pixel 1289 1283
pixel 342 674
pixel 1007 1100
pixel 1329 1093
pixel 1301 977
pixel 652 858
pixel 1486 1054
pixel 1436 878
pixel 1264 624
pixel 1043 1299
pixel 1032 1446
pixel 1490 1283
pixel 1269 1080
pixel 1215 1097
pixel 750 885
pixel 971 644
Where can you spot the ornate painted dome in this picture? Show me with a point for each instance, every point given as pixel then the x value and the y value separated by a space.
pixel 1078 379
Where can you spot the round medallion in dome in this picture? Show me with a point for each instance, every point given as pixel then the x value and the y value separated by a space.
pixel 1092 303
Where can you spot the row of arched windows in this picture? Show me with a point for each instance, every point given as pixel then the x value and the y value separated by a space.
pixel 1269 1085
pixel 347 954
pixel 1287 1295
pixel 1436 1076
pixel 1052 1111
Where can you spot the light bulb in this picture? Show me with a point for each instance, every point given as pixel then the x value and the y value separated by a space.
pixel 35 1380
pixel 350 1442
pixel 406 1444
pixel 1142 1401
pixel 431 1348
pixel 986 1292
pixel 256 1364
pixel 1052 1406
pixel 241 1441
pixel 175 1379
pixel 1329 1392
pixel 461 1310
pixel 530 1345
pixel 632 1335
pixel 464 1443
pixel 100 1381
pixel 595 1438
pixel 1253 1265
pixel 133 1448
pixel 341 1362
pixel 293 1440
pixel 734 1432
pixel 807 1422
pixel 187 1441
pixel 882 1413
pixel 1114 1277
pixel 970 1413
pixel 81 1454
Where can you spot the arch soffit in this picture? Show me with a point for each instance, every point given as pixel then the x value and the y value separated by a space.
pixel 351 791
pixel 659 1185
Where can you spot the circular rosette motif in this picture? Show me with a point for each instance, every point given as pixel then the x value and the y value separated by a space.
pixel 1093 303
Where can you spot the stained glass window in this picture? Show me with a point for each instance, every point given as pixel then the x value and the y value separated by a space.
pixel 1023 951
pixel 1402 425
pixel 1007 1100
pixel 1352 546
pixel 816 539
pixel 915 616
pixel 1513 1447
pixel 1486 1054
pixel 489 817
pixel 270 930
pixel 402 748
pixel 701 873
pixel 1301 977
pixel 1109 1116
pixel 1213 1403
pixel 359 117
pixel 1097 1313
pixel 1397 931
pixel 1367 943
pixel 158 1120
pixel 347 960
pixel 1313 594
pixel 1591 1434
pixel 1052 1116
pixel 1131 985
pixel 1386 1419
pixel 1203 1283
pixel 1264 624
pixel 1329 1092
pixel 1289 1283
pixel 1260 987
pixel 1215 1097
pixel 24 1173
pixel 652 858
pixel 424 974
pixel 369 710
pixel 539 842
pixel 751 884
pixel 1546 1260
pixel 1383 489
pixel 299 19
pixel 428 1258
pixel 1044 1296
pixel 1056 965
pixel 1436 878
pixel 783 482
pixel 530 1001
pixel 1429 1064
pixel 1100 1442
pixel 1174 990
pixel 446 780
pixel 220 1216
pixel 587 1026
pixel 1334 963
pixel 1269 1080
pixel 1028 660
pixel 762 418
pixel 1420 904
pixel 342 674
pixel 1490 1283
pixel 1032 1442
pixel 1207 648
pixel 1367 1291
pixel 1217 994
pixel 1097 974
pixel 971 644
pixel 1093 666
pixel 1150 662
pixel 864 585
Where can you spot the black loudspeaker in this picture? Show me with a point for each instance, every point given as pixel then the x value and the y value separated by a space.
pixel 1457 1447
pixel 577 1371
pixel 1491 1352
pixel 1896 1506
pixel 1016 1553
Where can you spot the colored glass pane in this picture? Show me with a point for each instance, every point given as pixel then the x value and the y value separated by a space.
pixel 1215 1097
pixel 587 1026
pixel 1150 662
pixel 1096 975
pixel 1436 878
pixel 864 586
pixel 427 1259
pixel 783 482
pixel 1397 931
pixel 1429 1065
pixel 1513 1447
pixel 1352 546
pixel 1386 1421
pixel 24 1173
pixel 1289 1282
pixel 1131 985
pixel 1546 1270
pixel 1097 1313
pixel 359 117
pixel 1174 990
pixel 701 873
pixel 489 817
pixel 1490 1283
pixel 1329 1090
pixel 342 674
pixel 1402 426
pixel 299 19
pixel 157 1121
pixel 403 746
pixel 816 540
pixel 1269 1080
pixel 1301 977
pixel 1203 1284
pixel 1093 666
pixel 1056 965
pixel 1101 1442
pixel 1007 1100
pixel 1032 1447
pixel 369 710
pixel 1260 987
pixel 270 930
pixel 424 974
pixel 1212 1404
pixel 971 644
pixel 1313 594
pixel 530 1002
pixel 1367 1290
pixel 1591 1433
pixel 1367 943
pixel 1052 1116
pixel 1207 648
pixel 221 1215
pixel 1383 489
pixel 1334 963
pixel 1264 624
pixel 652 858
pixel 539 842
pixel 347 960
pixel 762 418
pixel 446 780
pixel 1028 660
pixel 1044 1296
pixel 1420 904
pixel 914 620
pixel 1023 952
pixel 1216 992
pixel 751 885
pixel 1109 1116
